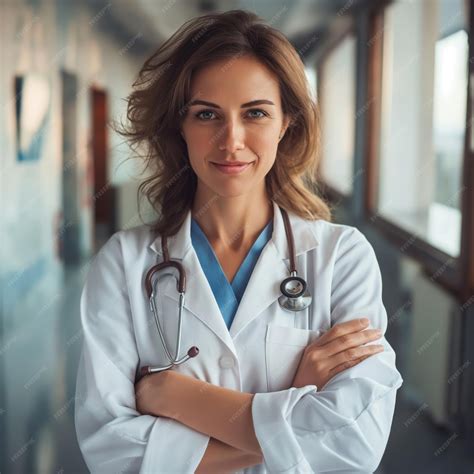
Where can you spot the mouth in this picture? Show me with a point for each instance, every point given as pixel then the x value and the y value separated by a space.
pixel 232 169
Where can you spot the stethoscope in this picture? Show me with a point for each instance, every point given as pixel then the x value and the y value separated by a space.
pixel 295 296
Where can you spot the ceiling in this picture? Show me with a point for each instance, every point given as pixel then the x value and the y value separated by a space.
pixel 152 21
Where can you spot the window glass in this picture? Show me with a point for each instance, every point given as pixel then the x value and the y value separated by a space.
pixel 337 88
pixel 311 76
pixel 423 115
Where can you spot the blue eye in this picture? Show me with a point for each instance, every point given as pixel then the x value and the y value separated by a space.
pixel 259 110
pixel 199 114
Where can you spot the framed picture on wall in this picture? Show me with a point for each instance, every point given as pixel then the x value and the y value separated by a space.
pixel 32 103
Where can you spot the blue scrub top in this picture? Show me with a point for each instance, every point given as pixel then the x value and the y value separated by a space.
pixel 227 295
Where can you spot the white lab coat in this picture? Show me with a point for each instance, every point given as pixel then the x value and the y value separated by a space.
pixel 343 427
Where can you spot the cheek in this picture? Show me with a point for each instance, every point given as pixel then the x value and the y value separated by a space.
pixel 199 149
pixel 199 143
pixel 265 147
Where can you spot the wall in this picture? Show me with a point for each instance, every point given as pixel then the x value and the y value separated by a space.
pixel 47 37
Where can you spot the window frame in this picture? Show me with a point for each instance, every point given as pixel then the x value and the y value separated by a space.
pixel 455 274
pixel 327 191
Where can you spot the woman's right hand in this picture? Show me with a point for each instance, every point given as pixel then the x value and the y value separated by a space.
pixel 336 350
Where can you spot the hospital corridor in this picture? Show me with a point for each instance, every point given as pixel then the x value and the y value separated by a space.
pixel 126 119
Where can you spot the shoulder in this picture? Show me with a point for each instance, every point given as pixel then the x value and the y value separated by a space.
pixel 123 246
pixel 130 241
pixel 343 246
pixel 339 236
pixel 136 238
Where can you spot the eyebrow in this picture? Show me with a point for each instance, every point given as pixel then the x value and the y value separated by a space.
pixel 247 104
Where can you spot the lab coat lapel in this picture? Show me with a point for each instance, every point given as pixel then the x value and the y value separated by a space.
pixel 272 267
pixel 199 298
pixel 263 288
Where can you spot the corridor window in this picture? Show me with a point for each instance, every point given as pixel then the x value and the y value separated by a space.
pixel 312 80
pixel 336 88
pixel 423 115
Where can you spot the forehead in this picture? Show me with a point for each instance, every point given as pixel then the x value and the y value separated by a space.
pixel 240 79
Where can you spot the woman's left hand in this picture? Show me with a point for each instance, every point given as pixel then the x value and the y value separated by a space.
pixel 151 393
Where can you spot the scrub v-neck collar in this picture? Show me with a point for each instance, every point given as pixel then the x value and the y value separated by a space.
pixel 227 294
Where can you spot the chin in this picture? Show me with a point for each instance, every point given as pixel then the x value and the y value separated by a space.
pixel 230 191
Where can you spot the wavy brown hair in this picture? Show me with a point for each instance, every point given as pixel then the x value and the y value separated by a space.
pixel 157 106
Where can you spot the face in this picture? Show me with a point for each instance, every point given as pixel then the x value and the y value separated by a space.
pixel 235 115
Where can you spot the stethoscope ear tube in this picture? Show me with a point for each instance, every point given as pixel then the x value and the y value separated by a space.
pixel 150 286
pixel 148 369
pixel 181 284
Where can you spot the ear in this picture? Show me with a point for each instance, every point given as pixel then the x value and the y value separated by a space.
pixel 286 123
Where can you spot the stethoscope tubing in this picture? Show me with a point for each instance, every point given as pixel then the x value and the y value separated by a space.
pixel 295 300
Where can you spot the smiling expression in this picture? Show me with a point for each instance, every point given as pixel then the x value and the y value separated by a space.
pixel 232 125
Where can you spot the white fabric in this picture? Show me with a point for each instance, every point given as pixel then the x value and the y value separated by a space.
pixel 341 427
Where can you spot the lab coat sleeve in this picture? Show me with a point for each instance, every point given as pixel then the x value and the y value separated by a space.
pixel 112 435
pixel 345 425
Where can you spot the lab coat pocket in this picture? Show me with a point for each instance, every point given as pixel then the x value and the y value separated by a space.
pixel 284 347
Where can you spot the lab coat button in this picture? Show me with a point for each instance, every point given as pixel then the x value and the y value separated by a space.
pixel 226 362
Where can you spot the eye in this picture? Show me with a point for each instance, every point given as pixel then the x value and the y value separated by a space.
pixel 260 111
pixel 198 115
pixel 201 117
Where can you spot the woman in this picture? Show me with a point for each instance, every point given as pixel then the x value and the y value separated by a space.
pixel 224 112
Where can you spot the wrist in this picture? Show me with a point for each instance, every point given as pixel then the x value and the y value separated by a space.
pixel 257 458
pixel 165 386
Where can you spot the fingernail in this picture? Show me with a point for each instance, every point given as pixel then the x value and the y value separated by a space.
pixel 364 321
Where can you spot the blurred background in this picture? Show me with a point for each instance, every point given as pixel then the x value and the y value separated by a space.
pixel 394 83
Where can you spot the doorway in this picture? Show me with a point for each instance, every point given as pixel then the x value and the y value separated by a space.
pixel 104 213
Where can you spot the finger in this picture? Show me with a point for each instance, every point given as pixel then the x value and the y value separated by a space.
pixel 348 364
pixel 355 353
pixel 347 341
pixel 341 329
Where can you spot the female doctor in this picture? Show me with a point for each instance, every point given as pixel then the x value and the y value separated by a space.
pixel 225 114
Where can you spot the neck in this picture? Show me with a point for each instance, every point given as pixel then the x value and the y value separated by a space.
pixel 230 223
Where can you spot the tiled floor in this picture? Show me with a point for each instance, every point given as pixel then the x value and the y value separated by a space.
pixel 40 399
pixel 418 447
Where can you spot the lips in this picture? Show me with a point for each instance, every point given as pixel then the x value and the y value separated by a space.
pixel 235 167
pixel 233 163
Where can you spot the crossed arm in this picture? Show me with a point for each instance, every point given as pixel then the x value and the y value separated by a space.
pixel 223 414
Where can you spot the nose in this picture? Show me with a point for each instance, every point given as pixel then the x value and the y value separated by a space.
pixel 232 138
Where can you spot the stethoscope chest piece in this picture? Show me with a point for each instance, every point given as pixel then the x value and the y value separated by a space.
pixel 295 296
